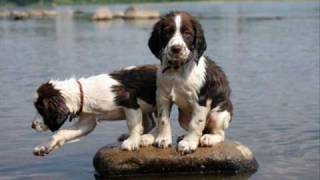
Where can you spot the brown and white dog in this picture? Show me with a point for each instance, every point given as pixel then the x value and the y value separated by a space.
pixel 125 94
pixel 192 81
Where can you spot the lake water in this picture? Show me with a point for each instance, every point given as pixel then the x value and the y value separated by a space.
pixel 270 52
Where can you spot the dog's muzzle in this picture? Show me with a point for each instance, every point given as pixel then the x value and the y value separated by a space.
pixel 38 124
pixel 176 53
pixel 176 49
pixel 175 57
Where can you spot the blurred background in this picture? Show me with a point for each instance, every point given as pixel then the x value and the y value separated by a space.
pixel 269 50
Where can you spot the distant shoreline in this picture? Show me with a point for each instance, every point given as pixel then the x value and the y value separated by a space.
pixel 15 3
pixel 91 2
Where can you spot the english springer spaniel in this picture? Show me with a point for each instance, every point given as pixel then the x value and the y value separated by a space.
pixel 125 94
pixel 195 83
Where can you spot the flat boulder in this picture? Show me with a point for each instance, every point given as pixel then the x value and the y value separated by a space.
pixel 133 12
pixel 36 13
pixel 102 14
pixel 118 14
pixel 229 157
pixel 50 13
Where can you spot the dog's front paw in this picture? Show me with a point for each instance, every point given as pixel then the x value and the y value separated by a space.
pixel 146 140
pixel 208 140
pixel 130 144
pixel 187 146
pixel 41 150
pixel 46 148
pixel 163 141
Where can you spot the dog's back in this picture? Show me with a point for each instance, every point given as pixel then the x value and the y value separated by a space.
pixel 137 83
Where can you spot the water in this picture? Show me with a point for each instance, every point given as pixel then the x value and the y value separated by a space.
pixel 270 52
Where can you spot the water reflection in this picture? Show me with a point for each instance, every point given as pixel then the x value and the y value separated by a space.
pixel 104 25
pixel 146 23
pixel 183 177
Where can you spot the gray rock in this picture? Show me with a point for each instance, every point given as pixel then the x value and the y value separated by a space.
pixel 118 14
pixel 36 13
pixel 50 13
pixel 134 13
pixel 102 14
pixel 229 157
pixel 18 15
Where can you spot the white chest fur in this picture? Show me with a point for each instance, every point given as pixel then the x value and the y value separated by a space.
pixel 182 87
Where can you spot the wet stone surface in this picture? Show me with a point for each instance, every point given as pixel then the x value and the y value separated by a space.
pixel 229 157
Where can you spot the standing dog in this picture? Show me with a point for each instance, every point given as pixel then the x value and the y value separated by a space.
pixel 125 94
pixel 192 81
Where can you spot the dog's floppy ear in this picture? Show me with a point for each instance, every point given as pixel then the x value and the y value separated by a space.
pixel 199 42
pixel 57 112
pixel 155 44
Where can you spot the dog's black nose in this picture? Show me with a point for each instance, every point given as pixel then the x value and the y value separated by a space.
pixel 176 49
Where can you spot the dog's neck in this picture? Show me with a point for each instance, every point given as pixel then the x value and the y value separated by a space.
pixel 98 95
pixel 81 98
pixel 70 90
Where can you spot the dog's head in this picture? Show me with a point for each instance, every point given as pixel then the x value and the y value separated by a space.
pixel 177 38
pixel 51 107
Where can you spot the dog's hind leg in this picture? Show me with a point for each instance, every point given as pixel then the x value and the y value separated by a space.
pixel 79 129
pixel 148 124
pixel 134 121
pixel 217 123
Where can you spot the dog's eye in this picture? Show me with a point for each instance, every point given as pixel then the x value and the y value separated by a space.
pixel 168 30
pixel 187 34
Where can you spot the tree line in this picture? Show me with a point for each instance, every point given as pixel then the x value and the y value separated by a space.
pixel 50 2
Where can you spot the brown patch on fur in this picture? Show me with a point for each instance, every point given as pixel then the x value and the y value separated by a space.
pixel 216 88
pixel 139 82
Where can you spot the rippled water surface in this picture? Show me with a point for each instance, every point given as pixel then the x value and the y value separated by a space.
pixel 270 52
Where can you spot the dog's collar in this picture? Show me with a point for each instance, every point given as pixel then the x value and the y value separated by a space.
pixel 81 98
